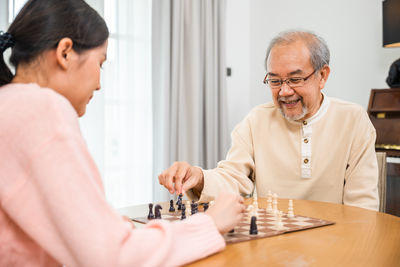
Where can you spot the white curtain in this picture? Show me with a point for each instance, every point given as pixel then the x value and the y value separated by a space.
pixel 189 83
pixel 118 124
pixel 128 103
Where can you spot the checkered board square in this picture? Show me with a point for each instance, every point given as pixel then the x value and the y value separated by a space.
pixel 266 225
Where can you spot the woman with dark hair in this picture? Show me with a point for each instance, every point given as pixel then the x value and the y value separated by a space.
pixel 52 205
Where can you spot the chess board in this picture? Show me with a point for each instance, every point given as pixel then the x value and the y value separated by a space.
pixel 266 225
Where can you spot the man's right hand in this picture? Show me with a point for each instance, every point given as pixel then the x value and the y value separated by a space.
pixel 180 177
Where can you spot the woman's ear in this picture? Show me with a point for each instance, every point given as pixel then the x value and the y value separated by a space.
pixel 64 52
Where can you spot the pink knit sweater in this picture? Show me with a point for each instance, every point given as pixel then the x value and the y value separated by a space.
pixel 53 209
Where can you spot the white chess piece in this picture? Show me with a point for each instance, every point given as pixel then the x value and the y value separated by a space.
pixel 269 204
pixel 250 210
pixel 255 204
pixel 279 224
pixel 187 211
pixel 275 204
pixel 290 209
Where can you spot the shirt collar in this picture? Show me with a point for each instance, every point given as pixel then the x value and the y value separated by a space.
pixel 318 115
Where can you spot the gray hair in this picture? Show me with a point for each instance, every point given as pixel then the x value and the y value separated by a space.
pixel 319 51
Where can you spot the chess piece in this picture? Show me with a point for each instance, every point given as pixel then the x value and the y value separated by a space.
pixel 157 211
pixel 250 210
pixel 231 231
pixel 179 202
pixel 187 206
pixel 290 209
pixel 253 226
pixel 171 206
pixel 205 206
pixel 275 204
pixel 269 204
pixel 193 207
pixel 254 198
pixel 151 215
pixel 183 216
pixel 279 224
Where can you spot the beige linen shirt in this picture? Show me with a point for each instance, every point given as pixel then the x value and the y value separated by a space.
pixel 328 157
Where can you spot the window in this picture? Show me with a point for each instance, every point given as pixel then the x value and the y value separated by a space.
pixel 118 122
pixel 128 103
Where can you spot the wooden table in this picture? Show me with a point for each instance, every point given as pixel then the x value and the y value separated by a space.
pixel 360 237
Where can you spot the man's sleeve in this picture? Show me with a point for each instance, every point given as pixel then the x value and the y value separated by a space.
pixel 361 177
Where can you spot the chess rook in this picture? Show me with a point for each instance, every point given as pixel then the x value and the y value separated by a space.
pixel 150 216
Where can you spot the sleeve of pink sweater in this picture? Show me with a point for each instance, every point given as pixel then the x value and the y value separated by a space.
pixel 50 188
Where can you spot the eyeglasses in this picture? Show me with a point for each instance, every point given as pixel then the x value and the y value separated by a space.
pixel 293 82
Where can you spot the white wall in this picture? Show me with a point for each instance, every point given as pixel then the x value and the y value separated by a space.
pixel 3 15
pixel 238 58
pixel 352 29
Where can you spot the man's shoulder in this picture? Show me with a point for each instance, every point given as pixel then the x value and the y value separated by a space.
pixel 339 105
pixel 266 108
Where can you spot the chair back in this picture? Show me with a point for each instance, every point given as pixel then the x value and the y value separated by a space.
pixel 381 157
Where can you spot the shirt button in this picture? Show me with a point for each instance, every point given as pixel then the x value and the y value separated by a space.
pixel 305 140
pixel 304 122
pixel 305 161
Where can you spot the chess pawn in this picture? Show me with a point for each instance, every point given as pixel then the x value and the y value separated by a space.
pixel 187 206
pixel 279 223
pixel 255 204
pixel 269 204
pixel 275 204
pixel 171 206
pixel 250 210
pixel 290 209
pixel 183 216
pixel 254 197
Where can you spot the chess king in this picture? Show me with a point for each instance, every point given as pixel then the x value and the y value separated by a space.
pixel 304 145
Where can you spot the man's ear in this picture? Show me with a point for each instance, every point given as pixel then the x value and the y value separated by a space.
pixel 64 52
pixel 324 72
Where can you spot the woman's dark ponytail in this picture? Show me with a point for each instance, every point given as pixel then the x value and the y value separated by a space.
pixel 6 41
pixel 41 24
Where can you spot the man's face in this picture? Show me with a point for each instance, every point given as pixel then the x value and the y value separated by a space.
pixel 289 61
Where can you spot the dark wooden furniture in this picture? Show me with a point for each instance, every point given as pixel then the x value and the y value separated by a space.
pixel 384 112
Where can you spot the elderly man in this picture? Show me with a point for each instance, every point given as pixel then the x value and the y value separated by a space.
pixel 304 145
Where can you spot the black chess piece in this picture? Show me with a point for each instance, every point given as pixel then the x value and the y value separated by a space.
pixel 151 215
pixel 179 202
pixel 193 207
pixel 253 226
pixel 205 206
pixel 231 231
pixel 183 212
pixel 157 211
pixel 171 206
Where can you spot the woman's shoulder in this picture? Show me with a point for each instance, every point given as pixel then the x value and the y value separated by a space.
pixel 30 103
